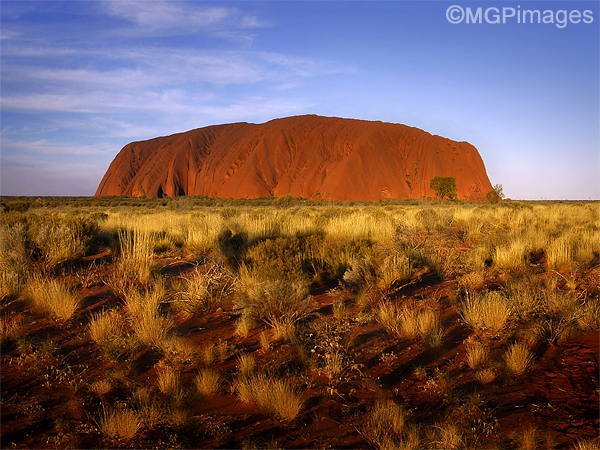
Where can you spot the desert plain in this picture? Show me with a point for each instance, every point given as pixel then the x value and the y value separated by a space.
pixel 288 323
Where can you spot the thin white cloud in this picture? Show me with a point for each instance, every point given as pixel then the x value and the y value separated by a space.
pixel 163 14
pixel 159 80
pixel 168 17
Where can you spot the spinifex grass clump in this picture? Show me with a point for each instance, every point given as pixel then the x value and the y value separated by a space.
pixel 202 291
pixel 273 395
pixel 59 244
pixel 135 262
pixel 488 311
pixel 409 322
pixel 149 325
pixel 277 304
pixel 387 427
pixel 106 330
pixel 208 382
pixel 119 423
pixel 52 297
pixel 13 260
pixel 518 358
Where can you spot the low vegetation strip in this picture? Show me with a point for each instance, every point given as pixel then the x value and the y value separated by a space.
pixel 203 323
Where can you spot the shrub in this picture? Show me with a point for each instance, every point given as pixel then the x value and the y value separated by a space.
pixel 360 274
pixel 443 187
pixel 276 303
pixel 280 259
pixel 52 297
pixel 232 246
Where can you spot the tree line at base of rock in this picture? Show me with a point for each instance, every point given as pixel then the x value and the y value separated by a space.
pixel 445 187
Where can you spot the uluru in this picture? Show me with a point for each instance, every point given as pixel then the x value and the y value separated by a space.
pixel 304 156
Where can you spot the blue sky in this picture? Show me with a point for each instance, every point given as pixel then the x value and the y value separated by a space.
pixel 79 80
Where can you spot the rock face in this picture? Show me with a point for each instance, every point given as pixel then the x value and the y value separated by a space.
pixel 305 156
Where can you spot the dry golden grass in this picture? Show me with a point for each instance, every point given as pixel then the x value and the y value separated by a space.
pixel 388 416
pixel 528 439
pixel 518 358
pixel 121 423
pixel 106 327
pixel 387 427
pixel 151 329
pixel 276 304
pixel 135 262
pixel 101 387
pixel 9 329
pixel 242 326
pixel 59 244
pixel 489 311
pixel 208 382
pixel 246 364
pixel 13 260
pixel 393 271
pixel 586 444
pixel 207 354
pixel 449 437
pixel 485 376
pixel 334 363
pixel 511 256
pixel 202 291
pixel 52 297
pixel 272 395
pixel 410 323
pixel 149 326
pixel 477 355
pixel 222 349
pixel 265 341
pixel 167 380
pixel 473 281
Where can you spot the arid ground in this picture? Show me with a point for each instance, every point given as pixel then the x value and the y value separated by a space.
pixel 282 323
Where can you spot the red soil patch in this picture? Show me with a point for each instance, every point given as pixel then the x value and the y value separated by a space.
pixel 47 403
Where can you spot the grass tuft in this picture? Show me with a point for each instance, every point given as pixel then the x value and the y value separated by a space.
pixel 122 423
pixel 52 297
pixel 272 395
pixel 208 382
pixel 518 358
